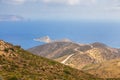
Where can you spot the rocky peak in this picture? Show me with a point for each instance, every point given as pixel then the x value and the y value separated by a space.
pixel 4 45
pixel 6 49
pixel 98 44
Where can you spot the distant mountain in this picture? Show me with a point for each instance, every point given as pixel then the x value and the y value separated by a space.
pixel 77 55
pixel 11 18
pixel 54 50
pixel 18 64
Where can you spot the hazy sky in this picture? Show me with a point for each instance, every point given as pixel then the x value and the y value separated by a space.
pixel 80 29
pixel 62 9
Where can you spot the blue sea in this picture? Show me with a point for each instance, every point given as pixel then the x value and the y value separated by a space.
pixel 23 32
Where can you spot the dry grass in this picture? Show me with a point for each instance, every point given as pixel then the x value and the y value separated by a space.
pixel 108 69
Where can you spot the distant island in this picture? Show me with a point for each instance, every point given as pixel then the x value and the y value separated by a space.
pixel 11 18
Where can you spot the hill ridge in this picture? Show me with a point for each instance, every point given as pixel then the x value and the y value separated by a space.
pixel 26 66
pixel 84 54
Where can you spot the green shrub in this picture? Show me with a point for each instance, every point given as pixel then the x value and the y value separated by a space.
pixel 13 78
pixel 1 78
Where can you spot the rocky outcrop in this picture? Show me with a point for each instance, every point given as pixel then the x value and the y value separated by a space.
pixel 6 49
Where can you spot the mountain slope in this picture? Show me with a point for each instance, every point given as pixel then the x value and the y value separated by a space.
pixel 18 64
pixel 108 69
pixel 82 54
pixel 54 50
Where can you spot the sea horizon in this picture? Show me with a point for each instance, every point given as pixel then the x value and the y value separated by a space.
pixel 23 32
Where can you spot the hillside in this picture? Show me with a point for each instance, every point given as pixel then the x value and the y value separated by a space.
pixel 76 55
pixel 108 69
pixel 18 64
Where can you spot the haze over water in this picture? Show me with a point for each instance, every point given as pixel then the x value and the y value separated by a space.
pixel 23 32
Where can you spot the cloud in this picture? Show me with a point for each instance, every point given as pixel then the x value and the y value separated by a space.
pixel 84 2
pixel 54 1
pixel 14 1
pixel 73 2
pixel 70 2
pixel 62 2
pixel 44 39
pixel 66 2
pixel 111 5
pixel 97 3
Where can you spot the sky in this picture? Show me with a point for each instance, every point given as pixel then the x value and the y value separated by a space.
pixel 25 33
pixel 62 9
pixel 83 21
